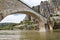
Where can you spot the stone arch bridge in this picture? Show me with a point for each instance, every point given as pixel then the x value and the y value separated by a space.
pixel 8 7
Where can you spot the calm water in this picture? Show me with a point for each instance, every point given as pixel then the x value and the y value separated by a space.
pixel 35 35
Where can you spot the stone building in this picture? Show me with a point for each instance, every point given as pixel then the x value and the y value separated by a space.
pixel 46 8
pixel 36 8
pixel 43 9
pixel 56 3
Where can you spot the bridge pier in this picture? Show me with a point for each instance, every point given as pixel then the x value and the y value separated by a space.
pixel 50 27
pixel 42 27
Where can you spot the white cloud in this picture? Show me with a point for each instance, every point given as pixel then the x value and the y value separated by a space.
pixel 15 18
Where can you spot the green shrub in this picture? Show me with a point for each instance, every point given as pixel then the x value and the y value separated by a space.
pixel 8 27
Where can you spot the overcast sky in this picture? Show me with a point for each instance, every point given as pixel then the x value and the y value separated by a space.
pixel 15 18
pixel 32 2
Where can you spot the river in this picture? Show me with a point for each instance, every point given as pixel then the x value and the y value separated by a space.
pixel 34 35
pixel 29 35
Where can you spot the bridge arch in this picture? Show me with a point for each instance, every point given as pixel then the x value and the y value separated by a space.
pixel 18 7
pixel 31 13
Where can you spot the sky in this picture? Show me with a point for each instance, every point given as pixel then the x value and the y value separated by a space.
pixel 32 2
pixel 17 18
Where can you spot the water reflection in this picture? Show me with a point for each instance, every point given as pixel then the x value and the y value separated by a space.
pixel 35 35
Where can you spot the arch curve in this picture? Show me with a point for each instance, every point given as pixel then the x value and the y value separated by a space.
pixel 28 12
